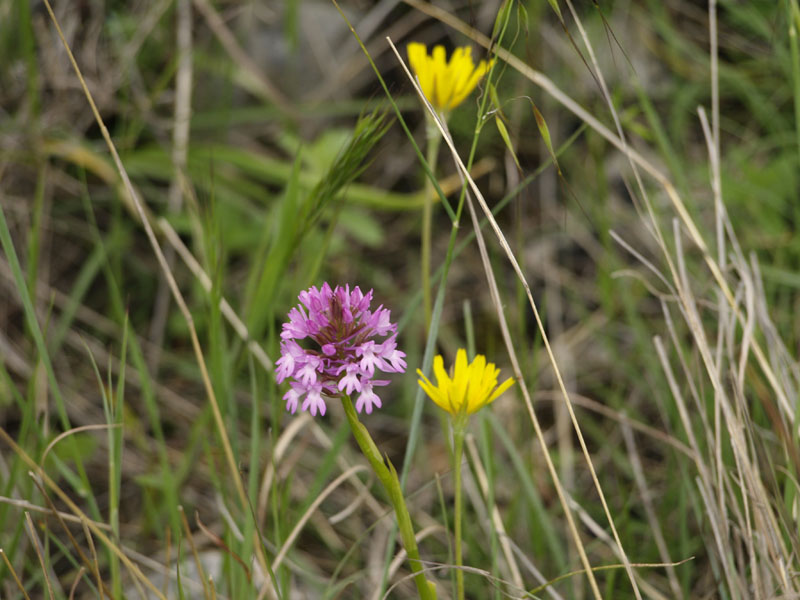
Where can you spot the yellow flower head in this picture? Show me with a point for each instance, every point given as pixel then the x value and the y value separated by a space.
pixel 446 84
pixel 472 386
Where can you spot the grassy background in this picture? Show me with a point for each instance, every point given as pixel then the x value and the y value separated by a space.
pixel 269 159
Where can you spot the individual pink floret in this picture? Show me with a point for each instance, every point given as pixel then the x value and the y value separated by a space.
pixel 314 401
pixel 351 381
pixel 390 354
pixel 292 396
pixel 368 398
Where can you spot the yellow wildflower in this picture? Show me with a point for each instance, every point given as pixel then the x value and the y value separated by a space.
pixel 446 84
pixel 472 386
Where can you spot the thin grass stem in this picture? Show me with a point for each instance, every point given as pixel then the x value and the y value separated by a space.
pixel 14 575
pixel 459 430
pixel 433 141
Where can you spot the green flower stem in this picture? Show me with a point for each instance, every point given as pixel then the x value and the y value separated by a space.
pixel 434 139
pixel 459 429
pixel 388 477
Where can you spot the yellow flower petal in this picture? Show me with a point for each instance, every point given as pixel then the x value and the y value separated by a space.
pixel 500 389
pixel 441 374
pixel 420 63
pixel 469 84
pixel 426 385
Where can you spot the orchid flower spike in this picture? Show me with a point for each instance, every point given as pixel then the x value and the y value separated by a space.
pixel 343 352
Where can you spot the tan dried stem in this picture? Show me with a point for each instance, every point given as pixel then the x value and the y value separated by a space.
pixel 193 547
pixel 37 546
pixel 180 147
pixel 14 575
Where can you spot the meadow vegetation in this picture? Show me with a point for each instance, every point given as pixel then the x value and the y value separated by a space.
pixel 610 218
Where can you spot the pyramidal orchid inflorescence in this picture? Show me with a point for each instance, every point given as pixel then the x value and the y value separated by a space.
pixel 341 350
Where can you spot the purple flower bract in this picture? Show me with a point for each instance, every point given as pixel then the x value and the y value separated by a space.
pixel 342 353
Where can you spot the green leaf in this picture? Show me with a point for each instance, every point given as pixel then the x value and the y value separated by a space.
pixel 501 127
pixel 554 5
pixel 545 132
pixel 522 15
pixel 495 99
pixel 502 18
pixel 362 226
